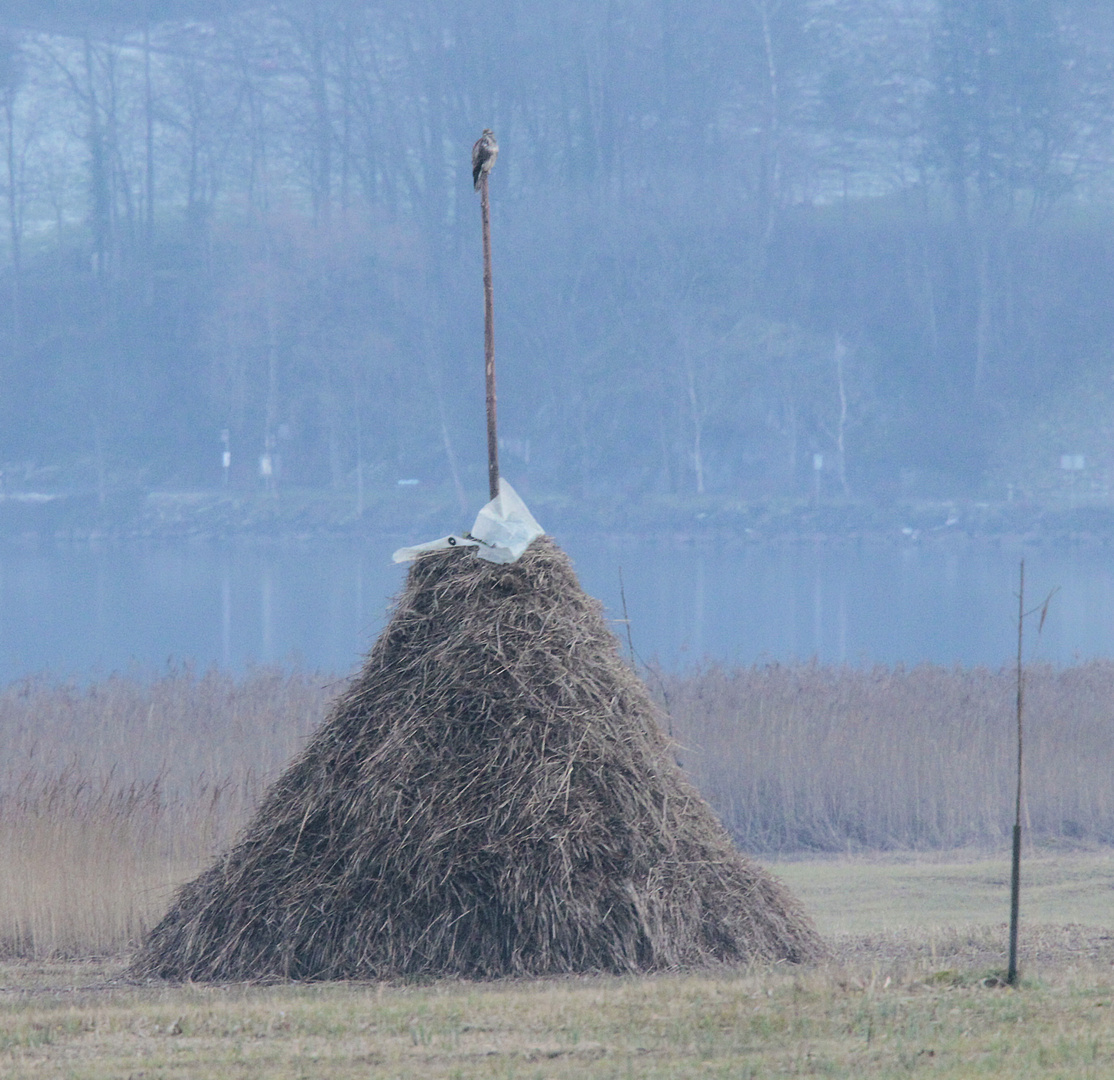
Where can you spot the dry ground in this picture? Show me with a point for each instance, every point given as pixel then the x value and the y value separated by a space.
pixel 911 989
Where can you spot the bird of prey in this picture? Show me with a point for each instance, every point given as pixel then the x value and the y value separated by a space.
pixel 484 154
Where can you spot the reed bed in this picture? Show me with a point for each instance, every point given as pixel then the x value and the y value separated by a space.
pixel 184 729
pixel 113 794
pixel 811 758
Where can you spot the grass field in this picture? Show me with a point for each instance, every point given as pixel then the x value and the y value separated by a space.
pixel 903 892
pixel 911 989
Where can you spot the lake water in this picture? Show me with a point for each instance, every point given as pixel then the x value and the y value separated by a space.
pixel 84 610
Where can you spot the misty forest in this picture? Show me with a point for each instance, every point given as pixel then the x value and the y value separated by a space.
pixel 739 247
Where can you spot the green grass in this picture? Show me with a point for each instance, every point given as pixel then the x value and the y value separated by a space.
pixel 844 1020
pixel 895 892
pixel 904 994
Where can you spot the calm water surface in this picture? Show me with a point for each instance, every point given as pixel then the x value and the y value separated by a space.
pixel 85 610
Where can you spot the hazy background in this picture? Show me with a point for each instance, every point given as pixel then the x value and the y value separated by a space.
pixel 728 236
pixel 849 258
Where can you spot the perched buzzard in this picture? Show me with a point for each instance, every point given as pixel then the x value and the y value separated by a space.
pixel 484 154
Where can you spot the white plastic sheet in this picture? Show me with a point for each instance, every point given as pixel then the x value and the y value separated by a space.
pixel 503 530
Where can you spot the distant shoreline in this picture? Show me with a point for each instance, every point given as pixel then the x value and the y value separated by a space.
pixel 311 515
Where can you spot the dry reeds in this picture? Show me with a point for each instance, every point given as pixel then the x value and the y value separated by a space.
pixel 112 793
pixel 81 866
pixel 810 758
pixel 185 729
pixel 491 795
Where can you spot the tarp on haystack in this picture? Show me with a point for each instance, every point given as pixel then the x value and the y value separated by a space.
pixel 491 795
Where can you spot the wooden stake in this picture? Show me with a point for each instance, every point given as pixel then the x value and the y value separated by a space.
pixel 1015 868
pixel 489 346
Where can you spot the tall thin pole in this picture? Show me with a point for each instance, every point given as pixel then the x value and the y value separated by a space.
pixel 1015 870
pixel 489 346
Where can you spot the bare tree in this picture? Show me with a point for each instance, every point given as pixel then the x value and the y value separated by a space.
pixel 11 79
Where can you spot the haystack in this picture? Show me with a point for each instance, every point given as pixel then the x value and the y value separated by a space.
pixel 491 795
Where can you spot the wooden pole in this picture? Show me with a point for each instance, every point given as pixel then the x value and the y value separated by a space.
pixel 1015 868
pixel 489 346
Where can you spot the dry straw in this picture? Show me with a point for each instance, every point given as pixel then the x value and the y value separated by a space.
pixel 491 795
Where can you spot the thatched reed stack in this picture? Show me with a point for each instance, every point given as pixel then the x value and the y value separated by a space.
pixel 490 796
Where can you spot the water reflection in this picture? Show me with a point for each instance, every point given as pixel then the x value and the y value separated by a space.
pixel 268 648
pixel 698 616
pixel 82 609
pixel 225 616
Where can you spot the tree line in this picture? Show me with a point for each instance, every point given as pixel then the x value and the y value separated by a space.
pixel 744 249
